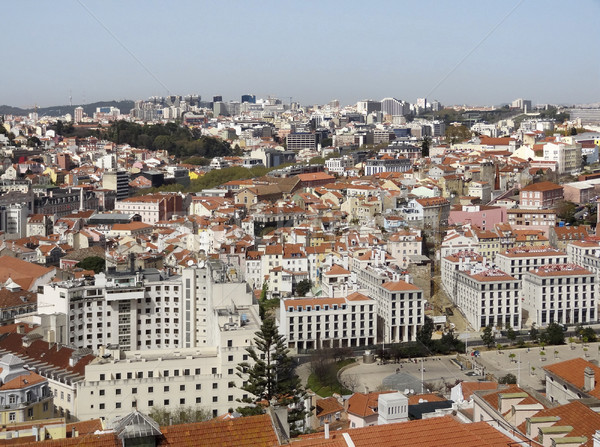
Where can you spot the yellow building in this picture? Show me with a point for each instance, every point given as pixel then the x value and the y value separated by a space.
pixel 24 395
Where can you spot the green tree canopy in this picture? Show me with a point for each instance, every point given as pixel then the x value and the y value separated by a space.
pixel 553 334
pixel 95 263
pixel 271 374
pixel 488 337
pixel 179 415
pixel 511 334
pixel 508 379
pixel 425 332
pixel 303 287
pixel 456 134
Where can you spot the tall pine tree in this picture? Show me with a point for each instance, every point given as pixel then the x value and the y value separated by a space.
pixel 271 376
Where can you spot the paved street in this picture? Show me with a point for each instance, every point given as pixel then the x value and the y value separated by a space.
pixel 442 370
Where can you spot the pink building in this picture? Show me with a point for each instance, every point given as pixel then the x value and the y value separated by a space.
pixel 485 217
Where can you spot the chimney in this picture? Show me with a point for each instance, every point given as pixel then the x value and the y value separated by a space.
pixel 326 429
pixel 589 382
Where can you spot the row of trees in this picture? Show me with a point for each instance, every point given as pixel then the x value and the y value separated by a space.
pixel 553 334
pixel 171 137
pixel 213 178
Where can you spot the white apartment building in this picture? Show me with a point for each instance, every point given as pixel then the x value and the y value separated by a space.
pixel 312 323
pixel 489 298
pixel 517 261
pixel 455 242
pixel 120 382
pixel 147 309
pixel 585 254
pixel 567 156
pixel 461 261
pixel 335 282
pixel 339 165
pixel 561 293
pixel 400 305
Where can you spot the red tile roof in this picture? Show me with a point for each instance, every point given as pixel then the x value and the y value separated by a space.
pixel 364 405
pixel 327 406
pixel 469 387
pixel 583 419
pixel 255 431
pixel 542 186
pixel 435 432
pixel 337 270
pixel 22 272
pixel 571 371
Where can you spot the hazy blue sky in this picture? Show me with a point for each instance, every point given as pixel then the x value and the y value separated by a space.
pixel 313 51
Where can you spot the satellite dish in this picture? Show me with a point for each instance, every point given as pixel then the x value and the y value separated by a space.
pixel 201 264
pixel 190 263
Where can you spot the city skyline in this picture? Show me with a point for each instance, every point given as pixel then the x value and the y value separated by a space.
pixel 458 54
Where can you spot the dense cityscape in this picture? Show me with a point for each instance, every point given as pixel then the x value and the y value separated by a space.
pixel 302 224
pixel 222 268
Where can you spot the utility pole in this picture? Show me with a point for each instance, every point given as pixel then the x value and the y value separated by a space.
pixel 422 382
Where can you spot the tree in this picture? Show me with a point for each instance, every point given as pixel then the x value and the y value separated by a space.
pixel 425 146
pixel 316 161
pixel 554 334
pixel 566 210
pixel 534 333
pixel 425 332
pixel 326 142
pixel 455 134
pixel 508 379
pixel 179 415
pixel 510 333
pixel 33 141
pixel 588 335
pixel 95 263
pixel 488 337
pixel 303 287
pixel 271 375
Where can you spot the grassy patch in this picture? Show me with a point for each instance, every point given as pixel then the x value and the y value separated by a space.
pixel 326 390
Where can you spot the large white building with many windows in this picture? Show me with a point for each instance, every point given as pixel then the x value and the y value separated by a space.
pixel 489 298
pixel 400 305
pixel 147 309
pixel 561 293
pixel 517 261
pixel 312 323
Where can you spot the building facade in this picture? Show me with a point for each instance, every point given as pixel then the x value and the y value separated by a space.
pixel 314 323
pixel 560 293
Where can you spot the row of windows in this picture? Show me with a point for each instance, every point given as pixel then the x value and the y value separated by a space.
pixel 150 374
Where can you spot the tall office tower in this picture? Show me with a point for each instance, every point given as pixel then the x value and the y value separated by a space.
pixel 217 99
pixel 78 114
pixel 249 98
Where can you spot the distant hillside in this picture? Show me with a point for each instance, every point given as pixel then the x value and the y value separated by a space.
pixel 125 106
